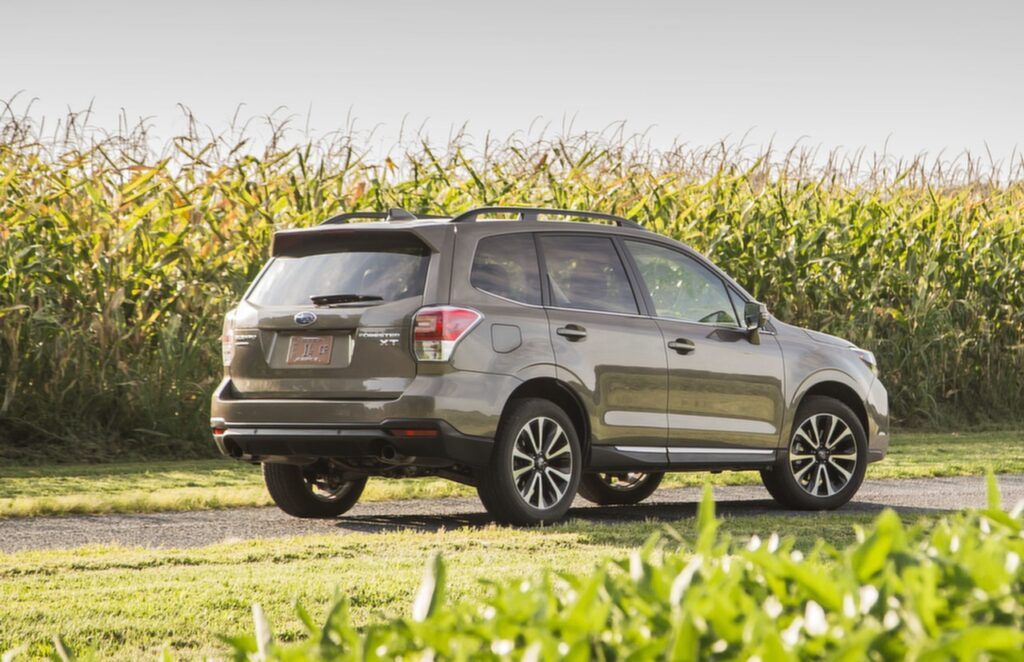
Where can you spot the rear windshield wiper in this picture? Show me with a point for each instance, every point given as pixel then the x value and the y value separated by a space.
pixel 334 299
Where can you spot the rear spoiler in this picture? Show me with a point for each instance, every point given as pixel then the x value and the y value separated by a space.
pixel 395 214
pixel 311 241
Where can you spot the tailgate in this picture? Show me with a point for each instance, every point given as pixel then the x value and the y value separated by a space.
pixel 285 346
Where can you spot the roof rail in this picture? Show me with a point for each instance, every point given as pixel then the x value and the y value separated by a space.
pixel 533 214
pixel 393 214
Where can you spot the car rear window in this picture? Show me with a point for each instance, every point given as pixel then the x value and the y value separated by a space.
pixel 391 273
pixel 506 265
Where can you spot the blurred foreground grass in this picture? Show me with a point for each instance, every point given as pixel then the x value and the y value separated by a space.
pixel 127 604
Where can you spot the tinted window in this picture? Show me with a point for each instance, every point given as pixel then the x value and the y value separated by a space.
pixel 680 286
pixel 389 274
pixel 506 265
pixel 586 272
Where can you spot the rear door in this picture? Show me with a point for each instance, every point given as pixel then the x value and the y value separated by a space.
pixel 355 345
pixel 610 353
pixel 724 392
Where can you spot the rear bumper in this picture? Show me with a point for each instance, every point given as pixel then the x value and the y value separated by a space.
pixel 463 408
pixel 434 440
pixel 471 402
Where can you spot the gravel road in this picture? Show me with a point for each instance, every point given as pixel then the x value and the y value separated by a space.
pixel 197 528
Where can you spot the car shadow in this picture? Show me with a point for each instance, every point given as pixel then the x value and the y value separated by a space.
pixel 656 511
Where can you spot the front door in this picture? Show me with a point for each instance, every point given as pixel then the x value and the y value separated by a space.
pixel 725 399
pixel 604 348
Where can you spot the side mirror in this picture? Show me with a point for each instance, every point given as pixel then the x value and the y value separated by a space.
pixel 755 316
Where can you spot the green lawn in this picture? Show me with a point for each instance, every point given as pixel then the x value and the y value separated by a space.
pixel 156 486
pixel 129 603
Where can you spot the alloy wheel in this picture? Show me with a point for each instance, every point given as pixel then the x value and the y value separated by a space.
pixel 326 489
pixel 623 482
pixel 823 455
pixel 542 462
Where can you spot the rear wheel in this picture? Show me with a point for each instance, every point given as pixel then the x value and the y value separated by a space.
pixel 622 488
pixel 823 465
pixel 302 493
pixel 535 467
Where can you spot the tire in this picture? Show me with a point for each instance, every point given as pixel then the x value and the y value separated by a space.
pixel 619 489
pixel 528 489
pixel 296 494
pixel 804 478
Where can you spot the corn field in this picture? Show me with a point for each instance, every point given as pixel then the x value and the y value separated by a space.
pixel 119 259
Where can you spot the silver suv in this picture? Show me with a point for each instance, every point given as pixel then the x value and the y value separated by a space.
pixel 532 359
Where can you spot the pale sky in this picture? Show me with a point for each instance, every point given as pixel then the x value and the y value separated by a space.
pixel 924 76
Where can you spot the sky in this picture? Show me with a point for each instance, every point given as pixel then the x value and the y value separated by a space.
pixel 908 77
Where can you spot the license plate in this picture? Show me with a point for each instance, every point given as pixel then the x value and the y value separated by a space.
pixel 310 350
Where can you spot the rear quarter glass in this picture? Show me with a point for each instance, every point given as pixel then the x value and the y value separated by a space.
pixel 506 266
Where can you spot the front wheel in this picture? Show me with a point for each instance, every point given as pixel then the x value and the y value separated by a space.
pixel 535 466
pixel 824 463
pixel 301 493
pixel 618 489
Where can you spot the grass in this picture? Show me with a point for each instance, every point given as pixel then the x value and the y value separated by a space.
pixel 168 486
pixel 949 590
pixel 127 604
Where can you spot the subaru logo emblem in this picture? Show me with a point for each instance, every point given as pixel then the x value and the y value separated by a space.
pixel 305 318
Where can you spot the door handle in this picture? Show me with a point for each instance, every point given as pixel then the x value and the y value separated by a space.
pixel 682 345
pixel 572 332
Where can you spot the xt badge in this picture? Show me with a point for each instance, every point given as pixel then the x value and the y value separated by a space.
pixel 386 337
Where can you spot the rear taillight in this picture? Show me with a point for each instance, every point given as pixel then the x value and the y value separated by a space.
pixel 227 341
pixel 436 330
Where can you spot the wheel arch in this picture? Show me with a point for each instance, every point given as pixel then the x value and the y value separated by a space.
pixel 558 392
pixel 837 390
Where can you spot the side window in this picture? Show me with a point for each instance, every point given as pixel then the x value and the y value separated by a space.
pixel 586 273
pixel 680 287
pixel 506 265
